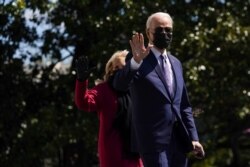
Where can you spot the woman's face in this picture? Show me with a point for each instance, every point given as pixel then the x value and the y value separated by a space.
pixel 120 63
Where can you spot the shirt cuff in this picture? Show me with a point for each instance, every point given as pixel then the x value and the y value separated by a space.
pixel 134 64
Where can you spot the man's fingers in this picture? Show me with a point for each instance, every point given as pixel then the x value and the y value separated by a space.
pixel 135 38
pixel 200 154
pixel 137 46
pixel 199 151
pixel 132 46
pixel 141 41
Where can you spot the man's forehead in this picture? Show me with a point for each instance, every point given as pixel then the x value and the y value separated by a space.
pixel 161 20
pixel 161 23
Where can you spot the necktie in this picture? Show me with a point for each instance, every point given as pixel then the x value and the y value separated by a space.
pixel 167 71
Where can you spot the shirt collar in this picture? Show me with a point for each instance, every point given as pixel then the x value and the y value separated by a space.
pixel 157 53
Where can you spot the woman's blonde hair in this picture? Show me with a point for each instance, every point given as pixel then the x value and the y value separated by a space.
pixel 117 61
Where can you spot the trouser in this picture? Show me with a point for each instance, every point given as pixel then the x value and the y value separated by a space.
pixel 171 156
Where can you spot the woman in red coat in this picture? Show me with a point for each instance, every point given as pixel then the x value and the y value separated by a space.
pixel 112 144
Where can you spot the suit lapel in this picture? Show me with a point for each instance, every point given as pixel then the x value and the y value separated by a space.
pixel 154 63
pixel 176 74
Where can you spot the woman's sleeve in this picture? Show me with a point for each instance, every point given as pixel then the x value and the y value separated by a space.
pixel 85 99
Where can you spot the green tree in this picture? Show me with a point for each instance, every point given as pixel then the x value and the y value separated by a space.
pixel 39 123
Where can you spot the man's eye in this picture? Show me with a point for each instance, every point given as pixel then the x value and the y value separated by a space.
pixel 163 29
pixel 167 29
pixel 158 29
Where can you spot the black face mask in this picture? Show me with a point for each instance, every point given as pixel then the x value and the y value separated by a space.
pixel 162 39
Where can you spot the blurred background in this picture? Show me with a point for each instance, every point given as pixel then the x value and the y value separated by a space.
pixel 40 125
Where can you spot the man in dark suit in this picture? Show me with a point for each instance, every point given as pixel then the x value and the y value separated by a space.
pixel 163 128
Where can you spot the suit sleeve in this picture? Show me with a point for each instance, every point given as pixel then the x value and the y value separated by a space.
pixel 124 77
pixel 86 99
pixel 187 115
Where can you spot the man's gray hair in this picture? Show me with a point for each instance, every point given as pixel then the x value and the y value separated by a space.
pixel 162 14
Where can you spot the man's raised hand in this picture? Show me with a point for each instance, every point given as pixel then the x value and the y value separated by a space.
pixel 138 49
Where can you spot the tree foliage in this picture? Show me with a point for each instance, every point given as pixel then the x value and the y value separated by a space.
pixel 39 123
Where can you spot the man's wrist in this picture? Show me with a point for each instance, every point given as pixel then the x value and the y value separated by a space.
pixel 134 64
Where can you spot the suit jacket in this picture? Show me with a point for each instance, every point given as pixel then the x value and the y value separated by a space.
pixel 154 111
